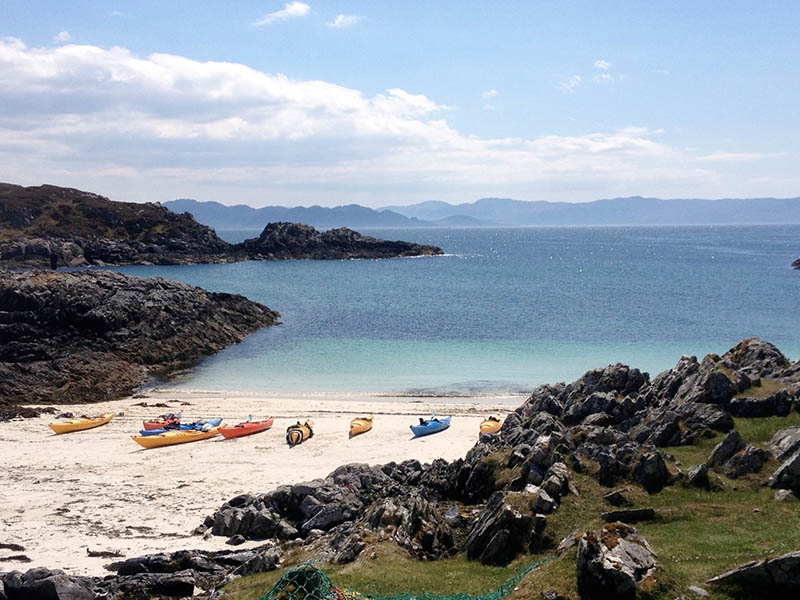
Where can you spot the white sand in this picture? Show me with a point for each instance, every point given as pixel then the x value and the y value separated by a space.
pixel 61 495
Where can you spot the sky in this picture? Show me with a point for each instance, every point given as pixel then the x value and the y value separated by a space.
pixel 393 103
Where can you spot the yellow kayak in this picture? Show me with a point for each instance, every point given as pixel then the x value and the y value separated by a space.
pixel 360 425
pixel 490 425
pixel 297 434
pixel 81 424
pixel 174 437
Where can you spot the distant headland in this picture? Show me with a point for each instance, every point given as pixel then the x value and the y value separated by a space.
pixel 49 227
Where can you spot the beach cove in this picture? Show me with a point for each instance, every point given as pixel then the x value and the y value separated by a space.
pixel 65 495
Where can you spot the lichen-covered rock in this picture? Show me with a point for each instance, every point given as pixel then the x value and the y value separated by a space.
pixel 500 533
pixel 730 445
pixel 612 562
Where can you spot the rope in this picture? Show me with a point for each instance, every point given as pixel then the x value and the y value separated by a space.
pixel 307 582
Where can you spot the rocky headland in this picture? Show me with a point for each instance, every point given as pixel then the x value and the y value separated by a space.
pixel 50 227
pixel 89 336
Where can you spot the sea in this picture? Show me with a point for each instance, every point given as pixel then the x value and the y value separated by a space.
pixel 504 310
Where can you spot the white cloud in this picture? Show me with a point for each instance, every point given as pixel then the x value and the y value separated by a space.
pixel 603 78
pixel 720 156
pixel 569 85
pixel 490 94
pixel 344 21
pixel 289 11
pixel 488 107
pixel 603 65
pixel 62 37
pixel 662 71
pixel 111 121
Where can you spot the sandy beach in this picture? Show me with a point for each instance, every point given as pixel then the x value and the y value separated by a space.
pixel 64 495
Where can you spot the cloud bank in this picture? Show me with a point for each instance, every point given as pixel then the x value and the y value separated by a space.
pixel 109 120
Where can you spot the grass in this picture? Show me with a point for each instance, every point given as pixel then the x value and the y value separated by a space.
pixel 765 389
pixel 696 534
pixel 393 571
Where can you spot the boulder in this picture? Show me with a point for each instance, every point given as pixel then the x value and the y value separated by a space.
pixel 698 476
pixel 618 498
pixel 730 445
pixel 629 516
pixel 778 404
pixel 749 460
pixel 500 533
pixel 651 471
pixel 787 476
pixel 777 576
pixel 785 442
pixel 612 562
pixel 44 584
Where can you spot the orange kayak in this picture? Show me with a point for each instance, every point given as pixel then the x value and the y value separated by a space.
pixel 81 424
pixel 490 425
pixel 245 428
pixel 360 425
pixel 174 437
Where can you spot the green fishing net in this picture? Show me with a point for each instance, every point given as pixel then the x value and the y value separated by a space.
pixel 307 582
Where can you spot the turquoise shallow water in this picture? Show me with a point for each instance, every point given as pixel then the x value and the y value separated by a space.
pixel 505 309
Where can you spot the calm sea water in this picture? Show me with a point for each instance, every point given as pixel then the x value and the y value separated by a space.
pixel 505 309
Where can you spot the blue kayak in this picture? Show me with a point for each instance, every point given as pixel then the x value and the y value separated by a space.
pixel 197 425
pixel 430 426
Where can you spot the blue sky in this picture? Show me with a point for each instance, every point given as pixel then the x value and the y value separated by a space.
pixel 400 102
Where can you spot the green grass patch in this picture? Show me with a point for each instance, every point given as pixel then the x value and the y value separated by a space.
pixel 393 571
pixel 760 431
pixel 765 389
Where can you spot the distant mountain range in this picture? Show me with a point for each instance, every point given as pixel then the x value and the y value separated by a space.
pixel 635 210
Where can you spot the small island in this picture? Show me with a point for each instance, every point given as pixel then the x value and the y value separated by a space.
pixel 51 227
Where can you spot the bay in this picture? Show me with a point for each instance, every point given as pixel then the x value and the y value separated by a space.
pixel 504 310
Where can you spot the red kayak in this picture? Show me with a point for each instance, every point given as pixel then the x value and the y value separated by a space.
pixel 163 422
pixel 246 428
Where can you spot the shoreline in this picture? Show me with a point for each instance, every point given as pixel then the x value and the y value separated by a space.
pixel 97 490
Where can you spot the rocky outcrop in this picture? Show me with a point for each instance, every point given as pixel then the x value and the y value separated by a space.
pixel 612 562
pixel 177 575
pixel 281 241
pixel 787 476
pixel 50 227
pixel 97 335
pixel 778 576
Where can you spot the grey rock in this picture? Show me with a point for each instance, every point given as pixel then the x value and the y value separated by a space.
pixel 618 498
pixel 629 516
pixel 779 575
pixel 500 532
pixel 783 495
pixel 651 472
pixel 730 445
pixel 611 562
pixel 698 476
pixel 787 476
pixel 44 584
pixel 749 460
pixel 780 404
pixel 785 442
pixel 236 540
pixel 697 591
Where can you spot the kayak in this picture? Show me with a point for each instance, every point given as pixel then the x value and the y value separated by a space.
pixel 432 425
pixel 196 426
pixel 490 425
pixel 297 434
pixel 360 425
pixel 81 424
pixel 163 422
pixel 174 437
pixel 245 428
